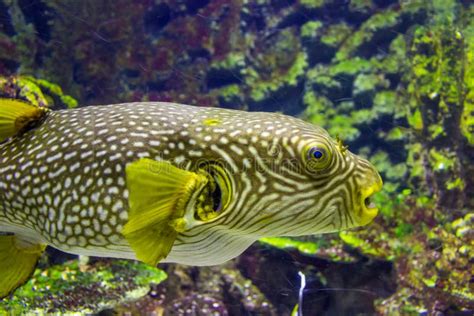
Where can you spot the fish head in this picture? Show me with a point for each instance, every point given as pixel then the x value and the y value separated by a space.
pixel 277 175
pixel 339 183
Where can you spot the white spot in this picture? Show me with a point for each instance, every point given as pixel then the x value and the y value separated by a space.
pixel 113 190
pixel 179 159
pixel 123 215
pixel 77 141
pixel 74 167
pixel 95 197
pixel 101 153
pixel 45 186
pixel 142 135
pixel 107 200
pixel 57 172
pixel 243 141
pixel 195 153
pixel 111 138
pixel 247 163
pixel 96 224
pixel 118 206
pixel 143 154
pixel 84 200
pixel 86 154
pixel 88 232
pixel 236 149
pixel 77 179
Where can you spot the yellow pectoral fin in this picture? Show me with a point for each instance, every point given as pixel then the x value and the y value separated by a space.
pixel 153 243
pixel 16 115
pixel 17 262
pixel 158 194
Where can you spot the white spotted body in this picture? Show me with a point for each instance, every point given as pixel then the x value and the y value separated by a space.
pixel 64 183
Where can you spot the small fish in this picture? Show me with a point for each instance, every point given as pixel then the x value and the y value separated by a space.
pixel 298 309
pixel 165 182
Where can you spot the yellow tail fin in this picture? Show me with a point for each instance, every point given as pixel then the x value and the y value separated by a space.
pixel 17 262
pixel 15 115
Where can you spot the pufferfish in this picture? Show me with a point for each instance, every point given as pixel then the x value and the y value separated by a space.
pixel 166 182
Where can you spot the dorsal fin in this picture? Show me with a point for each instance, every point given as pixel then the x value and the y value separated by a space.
pixel 16 115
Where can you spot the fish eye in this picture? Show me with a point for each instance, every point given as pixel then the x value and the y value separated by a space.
pixel 316 153
pixel 317 157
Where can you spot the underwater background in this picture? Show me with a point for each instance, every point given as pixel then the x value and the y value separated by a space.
pixel 393 79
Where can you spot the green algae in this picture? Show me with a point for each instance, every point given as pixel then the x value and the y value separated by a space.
pixel 232 61
pixel 320 111
pixel 263 89
pixel 310 29
pixel 284 243
pixel 381 22
pixel 357 242
pixel 361 6
pixel 438 269
pixel 230 95
pixel 364 83
pixel 55 90
pixel 336 34
pixel 312 4
pixel 438 100
pixel 39 92
pixel 72 283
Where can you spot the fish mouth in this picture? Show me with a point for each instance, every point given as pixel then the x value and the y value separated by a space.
pixel 369 210
pixel 369 204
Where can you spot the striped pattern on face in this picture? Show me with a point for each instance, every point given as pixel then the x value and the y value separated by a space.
pixel 64 182
pixel 274 192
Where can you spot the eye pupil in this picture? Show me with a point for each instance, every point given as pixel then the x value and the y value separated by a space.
pixel 317 154
pixel 317 158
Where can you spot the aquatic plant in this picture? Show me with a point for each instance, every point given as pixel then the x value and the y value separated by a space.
pixel 440 109
pixel 81 286
pixel 38 92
